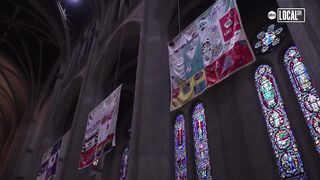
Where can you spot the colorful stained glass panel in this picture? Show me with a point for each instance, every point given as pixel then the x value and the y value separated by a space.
pixel 307 95
pixel 283 142
pixel 267 39
pixel 180 149
pixel 202 157
pixel 124 164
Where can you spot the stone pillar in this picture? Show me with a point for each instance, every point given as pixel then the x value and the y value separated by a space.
pixel 72 154
pixel 306 35
pixel 150 143
pixel 87 101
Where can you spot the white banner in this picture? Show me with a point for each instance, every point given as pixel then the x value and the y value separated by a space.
pixel 101 129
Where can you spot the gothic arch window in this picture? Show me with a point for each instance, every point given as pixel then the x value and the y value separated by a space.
pixel 124 164
pixel 180 149
pixel 306 94
pixel 283 142
pixel 202 157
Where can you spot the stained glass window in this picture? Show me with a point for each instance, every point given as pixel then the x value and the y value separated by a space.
pixel 201 143
pixel 307 95
pixel 124 164
pixel 267 39
pixel 180 149
pixel 283 142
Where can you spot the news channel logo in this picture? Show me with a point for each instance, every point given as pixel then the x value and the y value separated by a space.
pixel 288 15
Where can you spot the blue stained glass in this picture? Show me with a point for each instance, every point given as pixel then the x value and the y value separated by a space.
pixel 267 39
pixel 201 143
pixel 124 164
pixel 307 95
pixel 180 149
pixel 283 142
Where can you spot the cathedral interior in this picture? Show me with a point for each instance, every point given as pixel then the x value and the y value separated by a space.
pixel 60 59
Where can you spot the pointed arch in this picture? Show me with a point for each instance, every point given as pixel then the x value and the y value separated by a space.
pixel 180 148
pixel 307 95
pixel 202 156
pixel 283 142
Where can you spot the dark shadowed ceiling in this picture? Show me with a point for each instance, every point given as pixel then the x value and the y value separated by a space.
pixel 33 44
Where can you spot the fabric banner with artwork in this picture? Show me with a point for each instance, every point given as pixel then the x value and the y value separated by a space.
pixel 49 163
pixel 101 128
pixel 210 49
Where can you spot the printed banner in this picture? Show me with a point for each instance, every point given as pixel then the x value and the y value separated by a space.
pixel 101 129
pixel 49 162
pixel 209 50
pixel 108 115
pixel 88 151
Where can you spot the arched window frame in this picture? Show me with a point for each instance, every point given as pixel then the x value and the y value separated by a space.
pixel 306 94
pixel 283 142
pixel 180 148
pixel 124 164
pixel 202 156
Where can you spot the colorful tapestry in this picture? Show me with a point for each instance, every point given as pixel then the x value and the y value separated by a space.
pixel 283 142
pixel 101 128
pixel 307 95
pixel 49 162
pixel 180 149
pixel 210 49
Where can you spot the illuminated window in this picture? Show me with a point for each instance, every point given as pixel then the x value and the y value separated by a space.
pixel 124 164
pixel 180 149
pixel 267 39
pixel 307 95
pixel 283 142
pixel 201 143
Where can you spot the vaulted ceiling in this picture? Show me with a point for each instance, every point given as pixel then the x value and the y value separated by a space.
pixel 35 39
pixel 31 40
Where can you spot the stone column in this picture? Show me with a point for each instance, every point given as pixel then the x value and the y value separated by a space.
pixel 306 35
pixel 150 143
pixel 87 101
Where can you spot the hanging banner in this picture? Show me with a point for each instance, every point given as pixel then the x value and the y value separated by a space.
pixel 210 49
pixel 108 121
pixel 101 129
pixel 88 151
pixel 49 163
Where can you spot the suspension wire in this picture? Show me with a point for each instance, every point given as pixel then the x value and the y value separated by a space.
pixel 179 20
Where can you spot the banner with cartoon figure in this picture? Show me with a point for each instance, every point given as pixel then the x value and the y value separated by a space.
pixel 210 49
pixel 101 128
